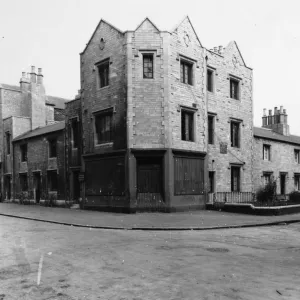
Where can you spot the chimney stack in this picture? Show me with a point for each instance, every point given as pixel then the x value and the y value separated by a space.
pixel 24 81
pixel 276 122
pixel 264 119
pixel 40 76
pixel 33 75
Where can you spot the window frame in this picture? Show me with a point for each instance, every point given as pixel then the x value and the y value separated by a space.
pixel 145 55
pixel 211 138
pixel 191 127
pixel 100 66
pixel 232 140
pixel 50 181
pixel 101 114
pixel 51 142
pixel 183 64
pixel 73 139
pixel 212 71
pixel 297 156
pixel 8 142
pixel 297 180
pixel 233 79
pixel 23 181
pixel 212 181
pixel 24 152
pixel 268 148
pixel 235 167
pixel 265 176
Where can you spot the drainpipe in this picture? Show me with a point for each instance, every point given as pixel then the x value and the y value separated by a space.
pixel 206 100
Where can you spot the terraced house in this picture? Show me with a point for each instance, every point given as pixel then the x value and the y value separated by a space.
pixel 158 110
pixel 31 140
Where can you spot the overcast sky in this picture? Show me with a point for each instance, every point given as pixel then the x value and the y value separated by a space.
pixel 51 33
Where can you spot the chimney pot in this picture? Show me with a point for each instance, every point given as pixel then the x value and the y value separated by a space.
pixel 215 49
pixel 281 109
pixel 39 71
pixel 32 69
pixel 284 111
pixel 264 112
pixel 270 112
pixel 23 74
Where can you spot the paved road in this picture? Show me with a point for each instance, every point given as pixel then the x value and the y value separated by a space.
pixel 48 261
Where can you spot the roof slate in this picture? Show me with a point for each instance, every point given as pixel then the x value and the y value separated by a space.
pixel 40 131
pixel 271 135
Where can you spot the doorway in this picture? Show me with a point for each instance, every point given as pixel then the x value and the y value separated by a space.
pixel 149 184
pixel 7 187
pixel 282 183
pixel 37 186
pixel 75 186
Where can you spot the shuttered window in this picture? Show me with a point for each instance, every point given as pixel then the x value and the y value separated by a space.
pixel 188 176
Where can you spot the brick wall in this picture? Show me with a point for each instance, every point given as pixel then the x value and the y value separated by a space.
pixel 38 160
pixel 225 109
pixel 282 160
pixel 95 98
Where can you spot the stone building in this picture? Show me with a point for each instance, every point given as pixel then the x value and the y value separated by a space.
pixel 276 153
pixel 25 110
pixel 151 130
pixel 73 142
pixel 230 120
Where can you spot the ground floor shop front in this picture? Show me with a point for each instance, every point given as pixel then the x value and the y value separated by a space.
pixel 145 180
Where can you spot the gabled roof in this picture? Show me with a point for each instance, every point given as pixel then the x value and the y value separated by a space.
pixel 101 21
pixel 187 18
pixel 40 131
pixel 237 47
pixel 271 135
pixel 147 19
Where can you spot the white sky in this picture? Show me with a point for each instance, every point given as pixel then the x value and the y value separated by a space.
pixel 51 34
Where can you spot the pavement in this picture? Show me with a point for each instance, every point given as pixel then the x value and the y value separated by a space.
pixel 193 220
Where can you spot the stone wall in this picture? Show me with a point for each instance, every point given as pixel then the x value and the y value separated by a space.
pixel 224 109
pixel 282 160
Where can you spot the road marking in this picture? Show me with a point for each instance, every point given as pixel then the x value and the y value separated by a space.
pixel 40 270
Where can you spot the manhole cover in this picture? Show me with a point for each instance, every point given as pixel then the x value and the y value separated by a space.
pixel 217 249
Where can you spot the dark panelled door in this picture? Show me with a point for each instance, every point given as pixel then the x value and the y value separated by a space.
pixel 149 185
